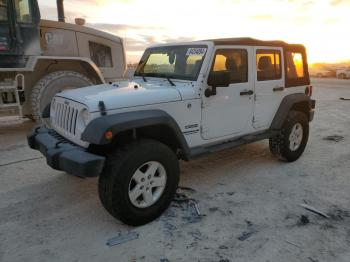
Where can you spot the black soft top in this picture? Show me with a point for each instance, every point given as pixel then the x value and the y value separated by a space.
pixel 253 42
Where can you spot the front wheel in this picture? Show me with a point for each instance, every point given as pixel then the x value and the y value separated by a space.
pixel 139 181
pixel 291 142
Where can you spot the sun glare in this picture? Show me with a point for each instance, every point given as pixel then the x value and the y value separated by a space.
pixel 322 26
pixel 298 62
pixel 297 59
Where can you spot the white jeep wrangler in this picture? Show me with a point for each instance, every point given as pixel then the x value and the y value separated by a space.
pixel 185 100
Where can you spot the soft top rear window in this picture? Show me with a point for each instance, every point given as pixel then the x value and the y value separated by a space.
pixel 296 67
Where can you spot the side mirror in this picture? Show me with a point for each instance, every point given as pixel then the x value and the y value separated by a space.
pixel 217 79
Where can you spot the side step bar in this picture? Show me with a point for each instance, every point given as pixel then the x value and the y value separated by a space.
pixel 200 151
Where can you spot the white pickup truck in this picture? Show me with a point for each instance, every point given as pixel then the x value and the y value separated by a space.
pixel 185 100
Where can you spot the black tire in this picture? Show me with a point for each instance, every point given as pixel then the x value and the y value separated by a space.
pixel 48 86
pixel 119 168
pixel 280 144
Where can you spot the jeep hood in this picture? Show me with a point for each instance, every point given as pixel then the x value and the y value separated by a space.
pixel 122 95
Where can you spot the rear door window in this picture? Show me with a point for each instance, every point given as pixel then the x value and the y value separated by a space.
pixel 235 61
pixel 268 64
pixel 3 11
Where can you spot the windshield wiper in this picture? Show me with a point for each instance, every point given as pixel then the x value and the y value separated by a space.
pixel 171 82
pixel 157 75
pixel 142 75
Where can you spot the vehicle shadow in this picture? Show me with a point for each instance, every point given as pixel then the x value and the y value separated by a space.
pixel 62 193
pixel 230 162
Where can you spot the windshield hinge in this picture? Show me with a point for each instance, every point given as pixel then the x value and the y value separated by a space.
pixel 204 129
pixel 204 104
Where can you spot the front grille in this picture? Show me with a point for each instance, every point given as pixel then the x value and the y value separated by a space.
pixel 61 139
pixel 65 117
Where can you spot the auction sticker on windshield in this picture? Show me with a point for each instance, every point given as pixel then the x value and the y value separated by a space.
pixel 196 51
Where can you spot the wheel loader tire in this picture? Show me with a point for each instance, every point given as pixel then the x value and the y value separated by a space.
pixel 48 86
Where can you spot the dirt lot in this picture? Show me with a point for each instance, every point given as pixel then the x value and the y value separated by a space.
pixel 251 203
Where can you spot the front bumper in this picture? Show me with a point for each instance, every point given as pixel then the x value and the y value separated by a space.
pixel 63 155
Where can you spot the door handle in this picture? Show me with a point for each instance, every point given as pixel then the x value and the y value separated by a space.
pixel 246 93
pixel 278 88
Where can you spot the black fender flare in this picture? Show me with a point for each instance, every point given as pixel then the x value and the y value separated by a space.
pixel 286 105
pixel 95 131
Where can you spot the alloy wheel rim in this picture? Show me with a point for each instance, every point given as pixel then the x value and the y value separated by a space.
pixel 147 184
pixel 296 137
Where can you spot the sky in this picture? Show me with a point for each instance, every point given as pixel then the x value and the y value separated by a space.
pixel 323 26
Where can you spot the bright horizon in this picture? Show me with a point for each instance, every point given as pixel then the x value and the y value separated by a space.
pixel 323 26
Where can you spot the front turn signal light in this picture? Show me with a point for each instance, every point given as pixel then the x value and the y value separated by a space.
pixel 109 135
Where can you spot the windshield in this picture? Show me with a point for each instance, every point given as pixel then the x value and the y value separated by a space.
pixel 177 62
pixel 3 11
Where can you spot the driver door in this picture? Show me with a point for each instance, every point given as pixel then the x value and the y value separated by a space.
pixel 230 111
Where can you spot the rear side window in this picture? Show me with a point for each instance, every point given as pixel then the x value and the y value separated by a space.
pixel 233 60
pixel 3 10
pixel 268 64
pixel 100 54
pixel 296 67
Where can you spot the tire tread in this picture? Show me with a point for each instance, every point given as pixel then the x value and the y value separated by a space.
pixel 278 144
pixel 110 181
pixel 40 86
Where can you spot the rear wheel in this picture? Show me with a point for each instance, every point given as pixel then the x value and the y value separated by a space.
pixel 50 85
pixel 139 181
pixel 290 143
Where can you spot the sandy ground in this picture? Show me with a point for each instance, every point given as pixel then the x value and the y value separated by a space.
pixel 250 201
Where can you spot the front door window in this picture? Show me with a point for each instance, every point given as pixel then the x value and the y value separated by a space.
pixel 235 61
pixel 3 11
pixel 23 12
